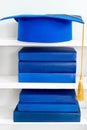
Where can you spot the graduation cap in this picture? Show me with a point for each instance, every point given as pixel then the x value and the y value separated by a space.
pixel 49 28
pixel 45 28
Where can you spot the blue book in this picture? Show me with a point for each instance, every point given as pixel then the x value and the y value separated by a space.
pixel 47 67
pixel 47 54
pixel 47 77
pixel 19 116
pixel 47 96
pixel 48 107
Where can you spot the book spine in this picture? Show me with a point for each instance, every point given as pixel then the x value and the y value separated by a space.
pixel 47 67
pixel 19 116
pixel 47 56
pixel 47 77
pixel 48 107
pixel 47 98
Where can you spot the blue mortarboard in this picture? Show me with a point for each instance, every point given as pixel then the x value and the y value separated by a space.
pixel 45 28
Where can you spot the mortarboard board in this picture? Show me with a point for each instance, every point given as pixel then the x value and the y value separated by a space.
pixel 49 28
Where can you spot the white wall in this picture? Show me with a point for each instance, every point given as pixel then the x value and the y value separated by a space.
pixel 10 7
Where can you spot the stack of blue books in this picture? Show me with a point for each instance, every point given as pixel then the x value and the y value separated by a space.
pixel 47 105
pixel 47 64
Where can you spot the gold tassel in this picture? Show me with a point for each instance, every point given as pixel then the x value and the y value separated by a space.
pixel 80 91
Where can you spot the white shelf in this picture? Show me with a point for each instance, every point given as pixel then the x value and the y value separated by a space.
pixel 12 82
pixel 13 42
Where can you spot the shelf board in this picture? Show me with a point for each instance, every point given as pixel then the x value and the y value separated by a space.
pixel 13 42
pixel 12 82
pixel 4 120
